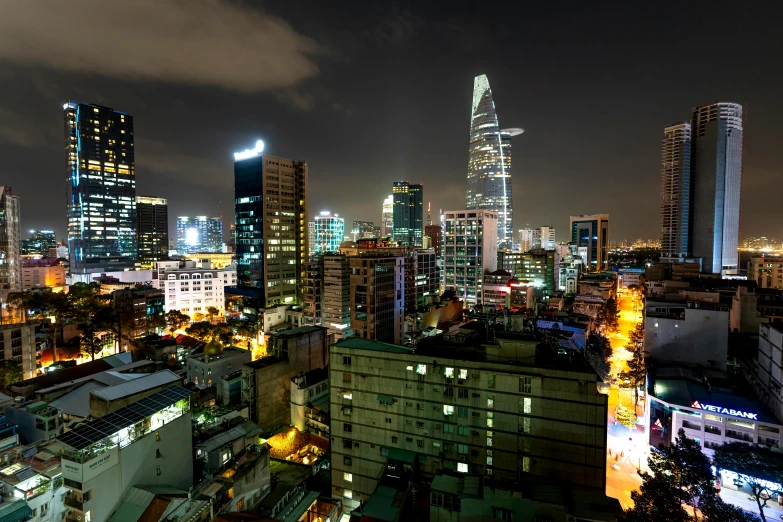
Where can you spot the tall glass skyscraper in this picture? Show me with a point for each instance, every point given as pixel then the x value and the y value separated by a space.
pixel 408 213
pixel 10 258
pixel 676 191
pixel 152 221
pixel 387 216
pixel 100 170
pixel 199 234
pixel 329 233
pixel 489 163
pixel 716 171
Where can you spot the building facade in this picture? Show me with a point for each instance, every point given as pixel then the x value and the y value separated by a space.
pixel 10 250
pixel 17 344
pixel 676 191
pixel 470 248
pixel 408 213
pixel 193 288
pixel 590 234
pixel 387 217
pixel 378 297
pixel 329 232
pixel 435 233
pixel 152 220
pixel 766 271
pixel 40 243
pixel 460 406
pixel 310 402
pixel 427 277
pixel 363 229
pixel 199 234
pixel 536 266
pixel 101 180
pixel 489 162
pixel 40 273
pixel 716 172
pixel 271 225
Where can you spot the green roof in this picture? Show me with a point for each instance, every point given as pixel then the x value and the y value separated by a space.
pixel 380 505
pixel 368 344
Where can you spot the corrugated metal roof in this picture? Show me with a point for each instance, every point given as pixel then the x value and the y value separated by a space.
pixel 221 439
pixel 77 402
pixel 15 511
pixel 147 382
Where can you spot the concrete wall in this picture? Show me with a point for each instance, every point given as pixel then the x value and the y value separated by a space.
pixel 701 338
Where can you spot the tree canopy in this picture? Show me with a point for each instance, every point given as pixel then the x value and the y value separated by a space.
pixel 608 318
pixel 759 467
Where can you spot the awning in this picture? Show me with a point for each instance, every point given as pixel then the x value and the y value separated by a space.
pixel 15 512
pixel 386 399
pixel 407 456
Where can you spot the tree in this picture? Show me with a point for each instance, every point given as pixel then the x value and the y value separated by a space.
pixel 154 322
pixel 598 352
pixel 758 465
pixel 10 372
pixel 626 417
pixel 608 317
pixel 681 488
pixel 636 375
pixel 202 330
pixel 212 312
pixel 176 320
pixel 90 341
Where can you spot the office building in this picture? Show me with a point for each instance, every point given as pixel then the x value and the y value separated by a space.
pixel 427 277
pixel 101 196
pixel 489 163
pixel 766 271
pixel 271 224
pixel 716 171
pixel 536 266
pixel 147 442
pixel 152 222
pixel 193 288
pixel 768 374
pixel 363 229
pixel 541 237
pixel 39 243
pixel 547 234
pixel 10 256
pixel 531 410
pixel 408 213
pixel 378 297
pixel 496 289
pixel 336 311
pixel 329 232
pixel 199 234
pixel 217 259
pixel 40 273
pixel 676 191
pixel 310 238
pixel 435 233
pixel 590 234
pixel 470 249
pixel 387 217
pixel 312 292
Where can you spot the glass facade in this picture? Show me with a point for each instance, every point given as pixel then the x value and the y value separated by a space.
pixel 152 220
pixel 199 234
pixel 489 162
pixel 407 213
pixel 591 237
pixel 100 170
pixel 329 233
pixel 10 259
pixel 676 191
pixel 39 242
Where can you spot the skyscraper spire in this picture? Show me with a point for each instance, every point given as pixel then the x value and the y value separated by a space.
pixel 489 163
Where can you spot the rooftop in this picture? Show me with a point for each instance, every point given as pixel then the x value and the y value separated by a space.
pixel 296 332
pixel 147 382
pixel 76 372
pixel 312 377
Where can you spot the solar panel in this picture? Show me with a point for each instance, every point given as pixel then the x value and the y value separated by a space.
pixel 93 431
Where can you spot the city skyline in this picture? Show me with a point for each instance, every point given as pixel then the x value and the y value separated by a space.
pixel 194 172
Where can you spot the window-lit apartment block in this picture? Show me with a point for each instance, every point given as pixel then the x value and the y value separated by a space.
pixel 469 247
pixel 516 406
pixel 378 297
pixel 193 288
pixel 100 170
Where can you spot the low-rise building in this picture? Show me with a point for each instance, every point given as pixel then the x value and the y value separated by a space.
pixel 18 344
pixel 310 402
pixel 32 475
pixel 35 421
pixel 495 289
pixel 766 271
pixel 209 368
pixel 193 288
pixel 687 332
pixel 40 273
pixel 147 443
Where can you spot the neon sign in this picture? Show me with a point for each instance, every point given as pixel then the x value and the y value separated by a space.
pixel 725 411
pixel 250 153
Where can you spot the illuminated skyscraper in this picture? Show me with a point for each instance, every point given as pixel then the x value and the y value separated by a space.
pixel 10 246
pixel 590 234
pixel 329 233
pixel 152 221
pixel 39 242
pixel 363 229
pixel 716 171
pixel 676 191
pixel 408 213
pixel 100 170
pixel 489 162
pixel 271 231
pixel 199 234
pixel 387 218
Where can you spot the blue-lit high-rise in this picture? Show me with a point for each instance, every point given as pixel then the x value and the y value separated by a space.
pixel 271 231
pixel 101 198
pixel 489 162
pixel 199 234
pixel 329 233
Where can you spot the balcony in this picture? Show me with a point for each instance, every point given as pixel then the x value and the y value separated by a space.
pixel 71 501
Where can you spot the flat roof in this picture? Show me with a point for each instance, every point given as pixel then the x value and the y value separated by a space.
pixel 369 344
pixel 147 382
pixel 296 332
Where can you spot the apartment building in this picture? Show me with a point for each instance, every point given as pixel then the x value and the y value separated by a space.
pixel 470 244
pixel 516 406
pixel 193 288
pixel 377 297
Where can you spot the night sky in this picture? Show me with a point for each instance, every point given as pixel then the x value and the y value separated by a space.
pixel 372 92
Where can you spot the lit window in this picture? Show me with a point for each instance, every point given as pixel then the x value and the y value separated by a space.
pixel 449 373
pixel 348 477
pixel 448 410
pixel 527 404
pixel 463 374
pixel 462 467
pixel 421 369
pixel 348 493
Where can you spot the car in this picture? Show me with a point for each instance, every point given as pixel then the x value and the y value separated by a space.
pixel 615 467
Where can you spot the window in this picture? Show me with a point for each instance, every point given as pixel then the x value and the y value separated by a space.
pixel 462 393
pixel 448 373
pixel 346 377
pixel 394 440
pixel 463 374
pixel 445 500
pixel 501 514
pixel 490 380
pixel 421 369
pixel 527 404
pixel 462 411
pixel 419 443
pixel 347 443
pixel 158 470
pixel 157 454
pixel 526 384
pixel 524 424
pixel 526 464
pixel 419 425
pixel 346 360
pixel 462 449
pixel 448 428
pixel 388 420
pixel 490 419
pixel 347 461
pixel 157 436
pixel 347 427
pixel 489 440
pixel 448 410
pixel 489 461
pixel 241 504
pixel 348 477
pixel 348 493
pixel 462 430
pixel 462 467
pixel 448 391
pixel 491 401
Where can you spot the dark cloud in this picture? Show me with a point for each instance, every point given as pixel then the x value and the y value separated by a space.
pixel 206 42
